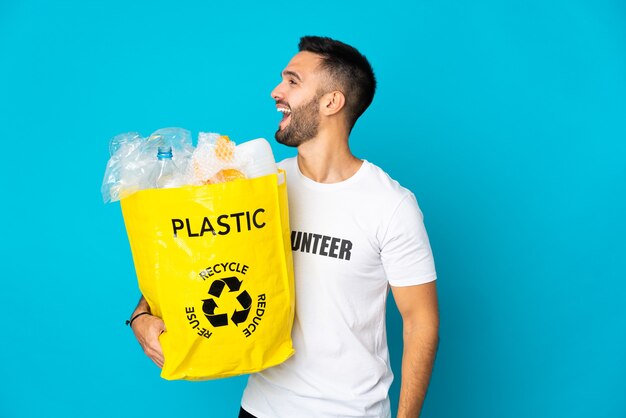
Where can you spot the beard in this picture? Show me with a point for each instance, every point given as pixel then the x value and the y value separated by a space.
pixel 303 125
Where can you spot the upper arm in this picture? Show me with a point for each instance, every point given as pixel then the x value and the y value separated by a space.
pixel 408 261
pixel 405 250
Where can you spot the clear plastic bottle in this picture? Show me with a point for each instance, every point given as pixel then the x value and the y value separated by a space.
pixel 167 174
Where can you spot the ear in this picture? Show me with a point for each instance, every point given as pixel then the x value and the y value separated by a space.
pixel 331 103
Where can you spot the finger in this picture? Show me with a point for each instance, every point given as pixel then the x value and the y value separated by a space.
pixel 158 354
pixel 158 362
pixel 156 350
pixel 155 355
pixel 160 359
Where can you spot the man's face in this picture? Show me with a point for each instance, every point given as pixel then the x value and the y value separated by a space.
pixel 297 97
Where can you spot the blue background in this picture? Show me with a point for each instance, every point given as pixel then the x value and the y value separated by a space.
pixel 507 120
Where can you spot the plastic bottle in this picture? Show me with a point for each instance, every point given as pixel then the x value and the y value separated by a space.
pixel 167 174
pixel 259 156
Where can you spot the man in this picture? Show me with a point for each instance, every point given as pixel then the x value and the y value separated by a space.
pixel 341 366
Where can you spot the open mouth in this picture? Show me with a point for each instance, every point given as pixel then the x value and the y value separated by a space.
pixel 286 115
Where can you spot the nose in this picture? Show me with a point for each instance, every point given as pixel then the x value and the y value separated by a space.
pixel 277 93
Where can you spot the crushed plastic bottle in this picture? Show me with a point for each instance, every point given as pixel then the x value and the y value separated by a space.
pixel 132 163
pixel 133 166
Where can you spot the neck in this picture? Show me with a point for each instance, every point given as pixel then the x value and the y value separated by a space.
pixel 327 157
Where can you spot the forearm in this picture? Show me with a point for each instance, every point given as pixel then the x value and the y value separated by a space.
pixel 418 357
pixel 142 306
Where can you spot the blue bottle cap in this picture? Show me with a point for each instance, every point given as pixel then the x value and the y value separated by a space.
pixel 164 152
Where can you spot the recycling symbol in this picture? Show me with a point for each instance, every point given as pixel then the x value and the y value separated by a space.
pixel 209 305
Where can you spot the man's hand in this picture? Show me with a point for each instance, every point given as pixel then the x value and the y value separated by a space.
pixel 147 329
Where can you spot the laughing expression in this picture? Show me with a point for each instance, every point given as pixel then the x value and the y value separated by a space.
pixel 297 98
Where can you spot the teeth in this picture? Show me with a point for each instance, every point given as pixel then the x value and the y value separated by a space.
pixel 280 109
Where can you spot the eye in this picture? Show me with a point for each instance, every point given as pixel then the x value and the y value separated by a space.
pixel 292 81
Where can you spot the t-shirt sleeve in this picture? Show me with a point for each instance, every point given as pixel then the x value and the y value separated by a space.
pixel 405 250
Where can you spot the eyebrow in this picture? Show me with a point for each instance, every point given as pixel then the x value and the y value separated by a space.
pixel 290 73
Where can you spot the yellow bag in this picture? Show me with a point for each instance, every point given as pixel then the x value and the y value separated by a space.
pixel 214 262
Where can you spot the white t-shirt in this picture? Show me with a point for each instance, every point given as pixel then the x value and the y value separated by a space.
pixel 350 241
